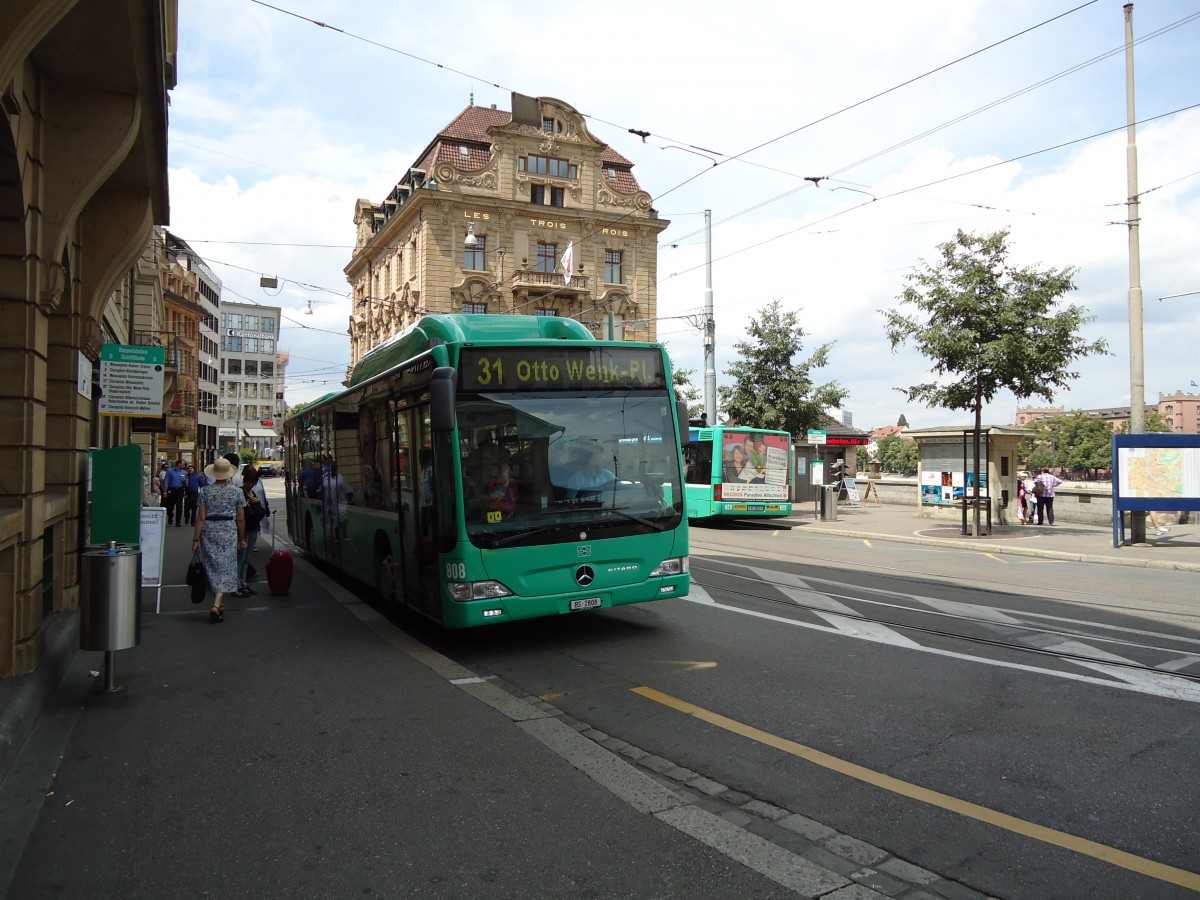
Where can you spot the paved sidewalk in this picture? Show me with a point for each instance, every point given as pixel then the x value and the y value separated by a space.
pixel 307 747
pixel 1179 549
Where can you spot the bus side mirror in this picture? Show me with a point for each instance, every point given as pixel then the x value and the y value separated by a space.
pixel 441 399
pixel 681 411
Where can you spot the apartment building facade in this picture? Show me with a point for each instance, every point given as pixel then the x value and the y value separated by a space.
pixel 522 212
pixel 83 180
pixel 252 371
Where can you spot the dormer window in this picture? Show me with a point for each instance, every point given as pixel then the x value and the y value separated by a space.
pixel 551 125
pixel 463 151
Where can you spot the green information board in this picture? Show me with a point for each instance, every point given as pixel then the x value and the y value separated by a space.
pixel 116 495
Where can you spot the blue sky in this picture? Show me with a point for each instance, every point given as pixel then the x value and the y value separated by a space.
pixel 278 125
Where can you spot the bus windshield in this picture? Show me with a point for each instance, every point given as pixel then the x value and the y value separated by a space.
pixel 540 467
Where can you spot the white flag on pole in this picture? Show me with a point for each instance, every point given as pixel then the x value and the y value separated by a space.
pixel 568 262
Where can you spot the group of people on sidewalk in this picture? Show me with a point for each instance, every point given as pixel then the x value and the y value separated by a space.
pixel 229 515
pixel 1035 496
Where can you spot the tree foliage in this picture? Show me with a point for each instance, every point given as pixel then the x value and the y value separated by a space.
pixel 990 324
pixel 772 388
pixel 902 422
pixel 1077 441
pixel 986 326
pixel 1155 422
pixel 898 455
pixel 686 391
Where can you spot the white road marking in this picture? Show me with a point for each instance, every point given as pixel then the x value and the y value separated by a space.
pixel 844 618
pixel 1140 681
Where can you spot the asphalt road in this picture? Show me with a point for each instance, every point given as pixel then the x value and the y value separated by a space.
pixel 1069 764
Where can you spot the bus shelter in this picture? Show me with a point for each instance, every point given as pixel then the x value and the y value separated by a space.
pixel 946 476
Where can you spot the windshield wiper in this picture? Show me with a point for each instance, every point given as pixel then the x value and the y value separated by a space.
pixel 649 523
pixel 492 542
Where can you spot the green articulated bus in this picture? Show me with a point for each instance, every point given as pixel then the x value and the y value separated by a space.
pixel 738 473
pixel 488 468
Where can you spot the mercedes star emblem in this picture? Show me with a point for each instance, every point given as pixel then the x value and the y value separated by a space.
pixel 584 576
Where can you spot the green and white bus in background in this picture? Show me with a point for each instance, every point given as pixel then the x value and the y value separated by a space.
pixel 488 468
pixel 737 473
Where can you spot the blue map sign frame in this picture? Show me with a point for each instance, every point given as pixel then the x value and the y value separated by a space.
pixel 1154 472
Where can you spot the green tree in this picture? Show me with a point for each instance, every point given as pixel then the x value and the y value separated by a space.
pixel 987 325
pixel 1155 422
pixel 771 387
pixel 1077 441
pixel 862 459
pixel 902 422
pixel 899 455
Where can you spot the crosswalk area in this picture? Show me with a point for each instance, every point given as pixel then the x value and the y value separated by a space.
pixel 1040 639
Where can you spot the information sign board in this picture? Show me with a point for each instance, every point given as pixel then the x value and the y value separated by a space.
pixel 154 525
pixel 131 380
pixel 816 436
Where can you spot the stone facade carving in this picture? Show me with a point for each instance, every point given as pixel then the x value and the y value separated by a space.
pixel 607 196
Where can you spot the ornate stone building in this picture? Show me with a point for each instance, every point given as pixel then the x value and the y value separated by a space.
pixel 483 221
pixel 83 180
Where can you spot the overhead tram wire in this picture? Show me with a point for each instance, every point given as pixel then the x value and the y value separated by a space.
pixel 918 187
pixel 957 120
pixel 644 133
pixel 727 157
pixel 1078 67
pixel 912 80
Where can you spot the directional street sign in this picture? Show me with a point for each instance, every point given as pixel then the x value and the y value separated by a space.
pixel 131 380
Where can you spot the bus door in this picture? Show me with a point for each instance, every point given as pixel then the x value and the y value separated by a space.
pixel 417 529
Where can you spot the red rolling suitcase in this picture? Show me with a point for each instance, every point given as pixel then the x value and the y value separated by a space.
pixel 279 568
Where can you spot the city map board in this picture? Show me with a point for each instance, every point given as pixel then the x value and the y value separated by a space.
pixel 1154 472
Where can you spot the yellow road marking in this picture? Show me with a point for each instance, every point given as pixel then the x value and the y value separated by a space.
pixel 868 543
pixel 1102 852
pixel 689 663
pixel 996 558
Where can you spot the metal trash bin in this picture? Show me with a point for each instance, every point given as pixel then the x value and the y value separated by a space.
pixel 110 617
pixel 829 499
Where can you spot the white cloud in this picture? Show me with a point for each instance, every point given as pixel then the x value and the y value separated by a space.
pixel 296 122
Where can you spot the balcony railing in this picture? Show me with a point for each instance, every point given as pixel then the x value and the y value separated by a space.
pixel 550 281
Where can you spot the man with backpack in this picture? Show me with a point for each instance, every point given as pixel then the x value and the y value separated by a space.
pixel 1043 490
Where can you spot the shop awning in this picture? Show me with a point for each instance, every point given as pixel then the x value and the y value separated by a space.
pixel 260 432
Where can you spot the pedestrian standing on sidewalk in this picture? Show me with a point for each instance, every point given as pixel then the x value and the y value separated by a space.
pixel 192 485
pixel 1045 497
pixel 220 533
pixel 256 510
pixel 173 490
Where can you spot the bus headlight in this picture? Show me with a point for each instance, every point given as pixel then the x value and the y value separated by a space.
pixel 676 565
pixel 477 590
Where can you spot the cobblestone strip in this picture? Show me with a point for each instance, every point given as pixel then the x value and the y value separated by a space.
pixel 876 874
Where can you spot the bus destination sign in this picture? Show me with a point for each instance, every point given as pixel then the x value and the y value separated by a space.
pixel 560 368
